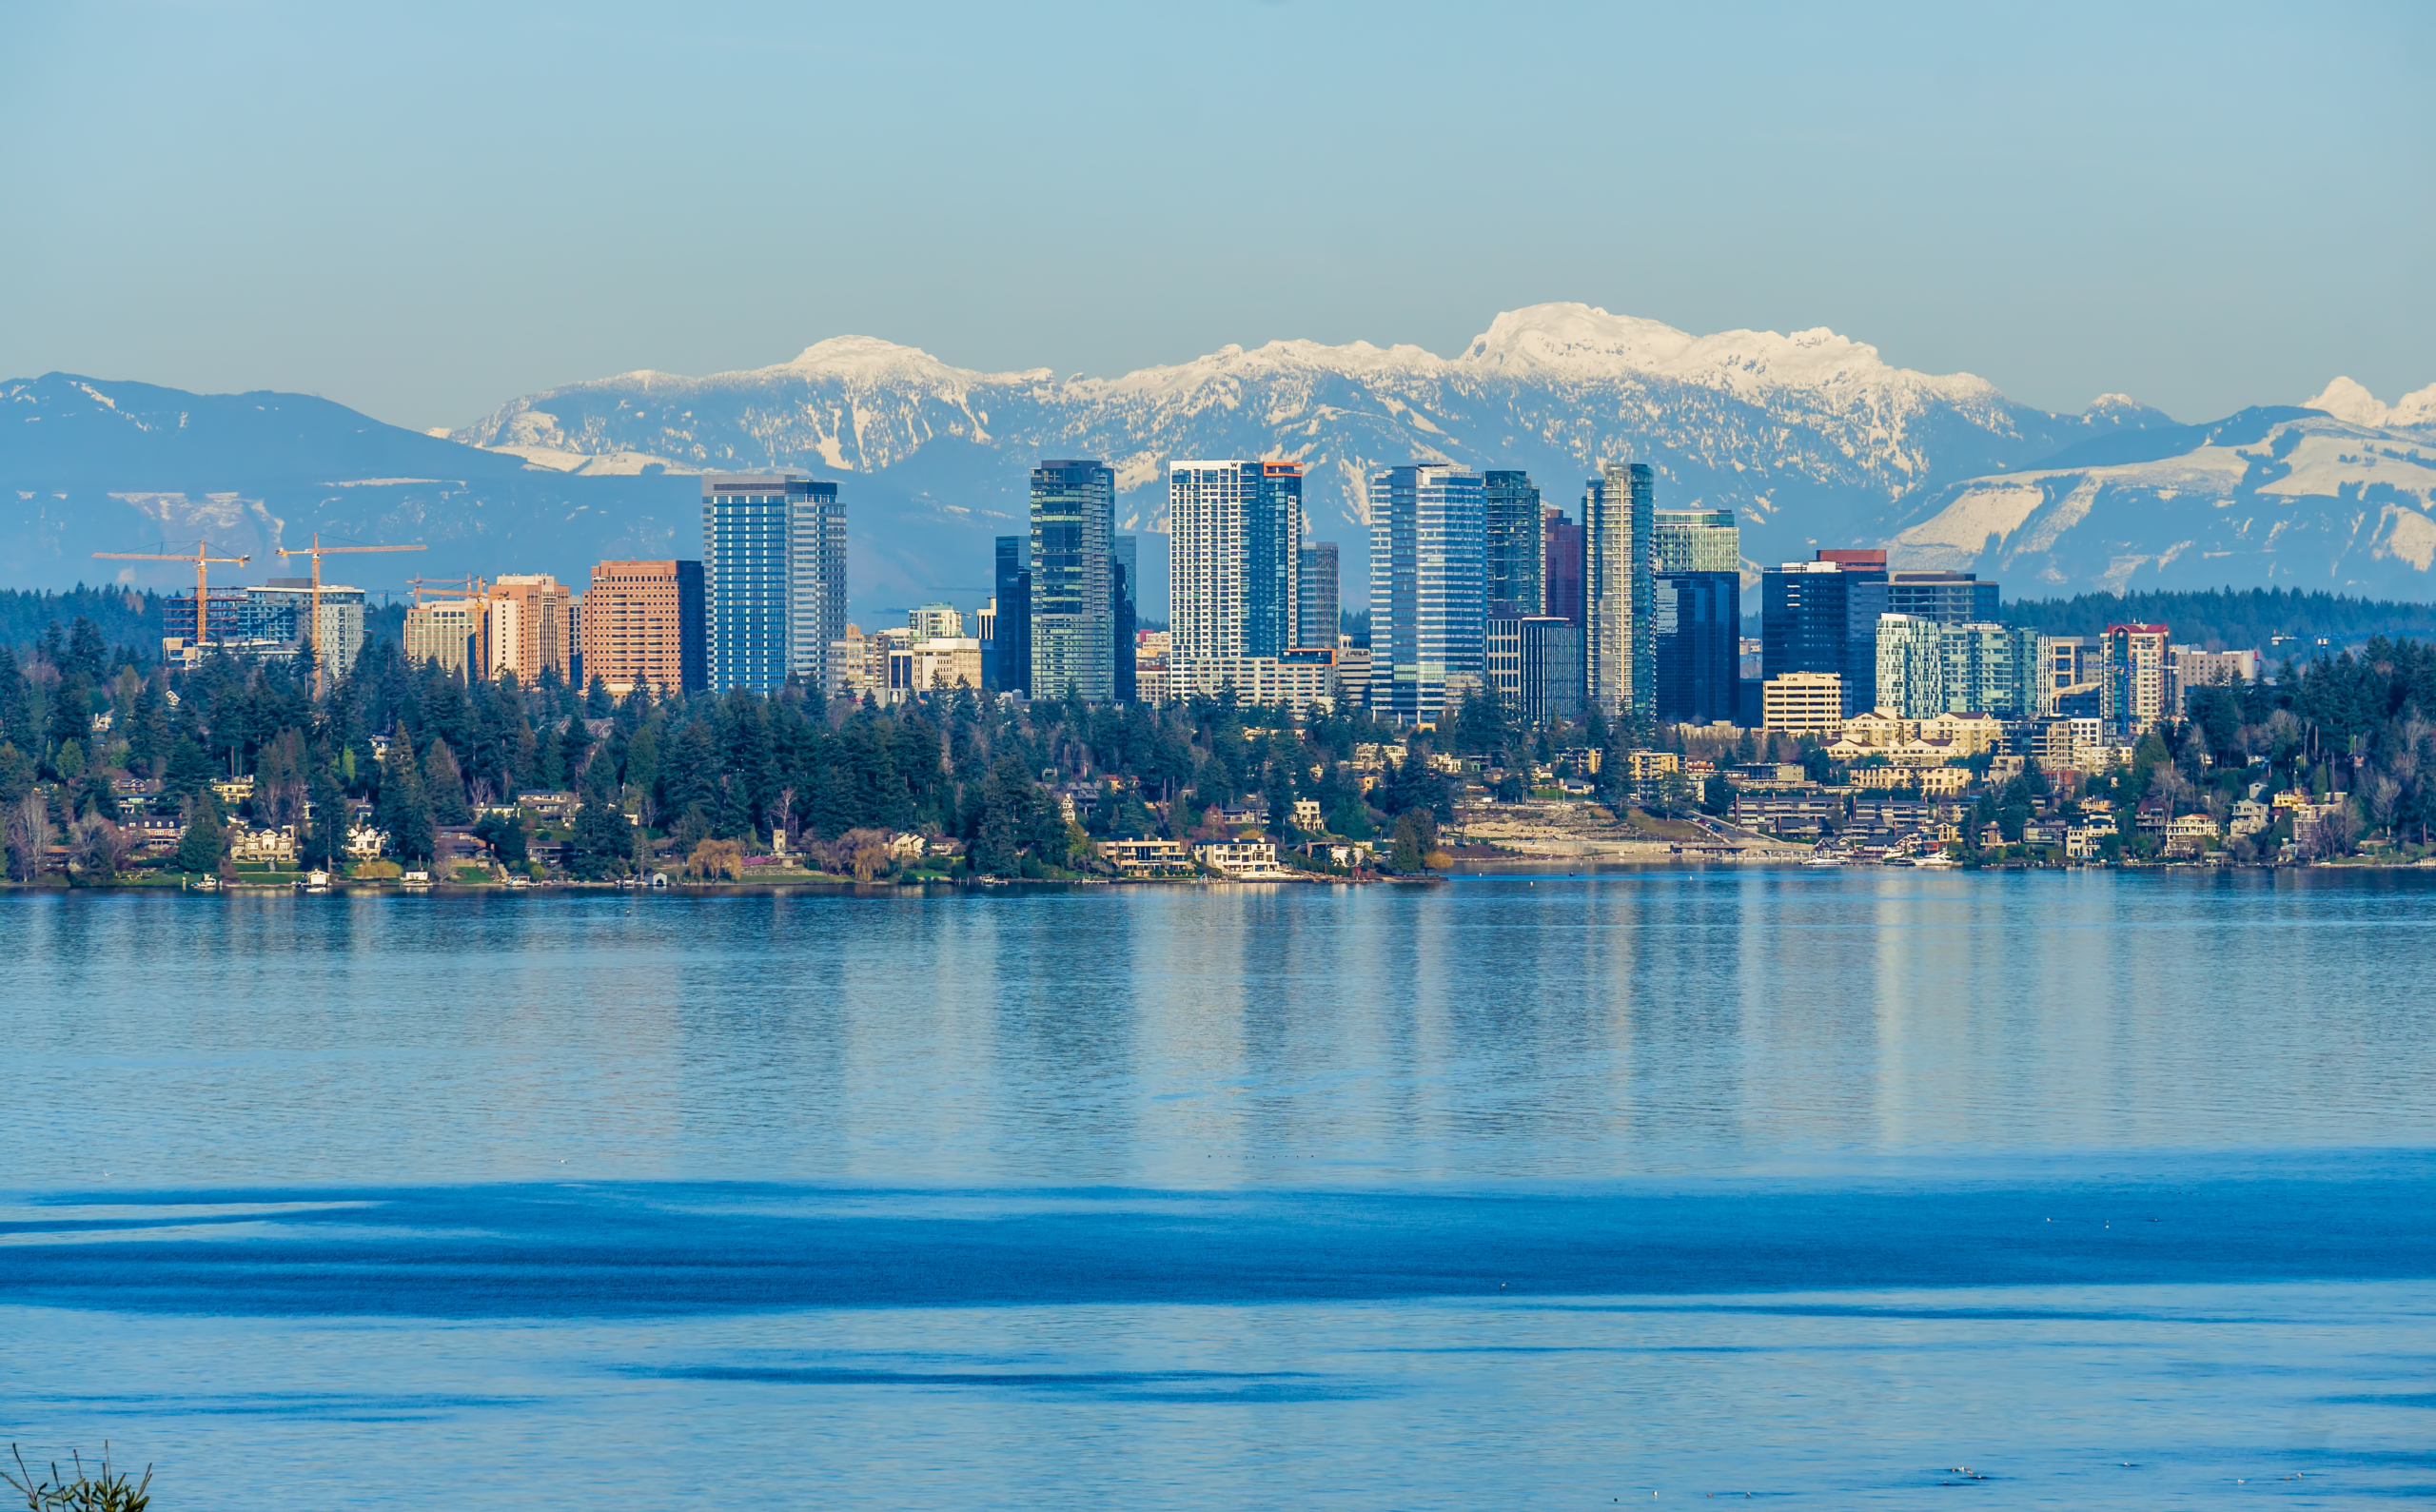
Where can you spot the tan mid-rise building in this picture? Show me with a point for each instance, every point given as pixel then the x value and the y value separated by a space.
pixel 448 631
pixel 642 622
pixel 1802 703
pixel 526 629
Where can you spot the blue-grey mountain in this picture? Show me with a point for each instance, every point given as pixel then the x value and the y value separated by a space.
pixel 1810 438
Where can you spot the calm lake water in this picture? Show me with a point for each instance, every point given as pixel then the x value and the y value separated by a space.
pixel 2118 1190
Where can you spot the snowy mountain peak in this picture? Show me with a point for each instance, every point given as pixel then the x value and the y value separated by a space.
pixel 1586 343
pixel 872 360
pixel 2347 401
pixel 1582 338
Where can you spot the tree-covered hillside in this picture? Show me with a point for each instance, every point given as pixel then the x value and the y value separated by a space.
pixel 2227 619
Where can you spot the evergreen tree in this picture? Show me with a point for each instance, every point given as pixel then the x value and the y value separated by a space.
pixel 326 843
pixel 17 774
pixel 444 786
pixel 1131 818
pixel 1019 824
pixel 504 835
pixel 205 841
pixel 604 841
pixel 405 810
pixel 190 771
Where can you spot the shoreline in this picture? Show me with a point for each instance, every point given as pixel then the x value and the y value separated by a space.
pixel 1464 867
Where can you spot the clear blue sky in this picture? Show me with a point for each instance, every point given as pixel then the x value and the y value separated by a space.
pixel 422 210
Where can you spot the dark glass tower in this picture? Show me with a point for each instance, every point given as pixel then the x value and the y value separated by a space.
pixel 1125 573
pixel 1316 587
pixel 1700 637
pixel 693 627
pixel 1014 640
pixel 1516 549
pixel 1562 599
pixel 1948 597
pixel 1802 618
pixel 1807 607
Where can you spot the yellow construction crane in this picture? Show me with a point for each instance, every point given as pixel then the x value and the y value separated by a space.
pixel 463 588
pixel 201 559
pixel 316 551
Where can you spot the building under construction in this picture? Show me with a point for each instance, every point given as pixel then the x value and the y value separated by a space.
pixel 270 620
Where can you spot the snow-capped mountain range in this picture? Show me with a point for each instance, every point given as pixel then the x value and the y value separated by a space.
pixel 1812 439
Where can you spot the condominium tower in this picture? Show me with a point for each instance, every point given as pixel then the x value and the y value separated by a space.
pixel 1428 604
pixel 1925 668
pixel 1619 641
pixel 774 559
pixel 1074 618
pixel 527 629
pixel 1233 528
pixel 2136 667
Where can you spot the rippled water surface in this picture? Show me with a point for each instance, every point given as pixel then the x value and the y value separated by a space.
pixel 1852 1188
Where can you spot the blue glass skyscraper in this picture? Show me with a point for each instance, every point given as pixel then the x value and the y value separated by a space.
pixel 1428 609
pixel 773 570
pixel 1073 612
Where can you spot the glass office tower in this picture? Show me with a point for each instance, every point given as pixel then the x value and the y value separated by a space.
pixel 1948 597
pixel 1821 615
pixel 773 570
pixel 1515 547
pixel 1562 597
pixel 1696 541
pixel 1317 584
pixel 1697 627
pixel 1428 605
pixel 1073 615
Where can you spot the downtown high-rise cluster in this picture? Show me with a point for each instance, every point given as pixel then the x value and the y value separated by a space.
pixel 1478 585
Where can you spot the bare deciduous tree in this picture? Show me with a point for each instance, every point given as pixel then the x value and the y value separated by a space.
pixel 99 847
pixel 29 835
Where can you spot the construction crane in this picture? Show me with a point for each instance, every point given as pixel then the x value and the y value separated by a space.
pixel 316 551
pixel 201 559
pixel 463 588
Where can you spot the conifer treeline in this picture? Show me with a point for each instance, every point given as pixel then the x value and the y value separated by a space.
pixel 746 767
pixel 736 765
